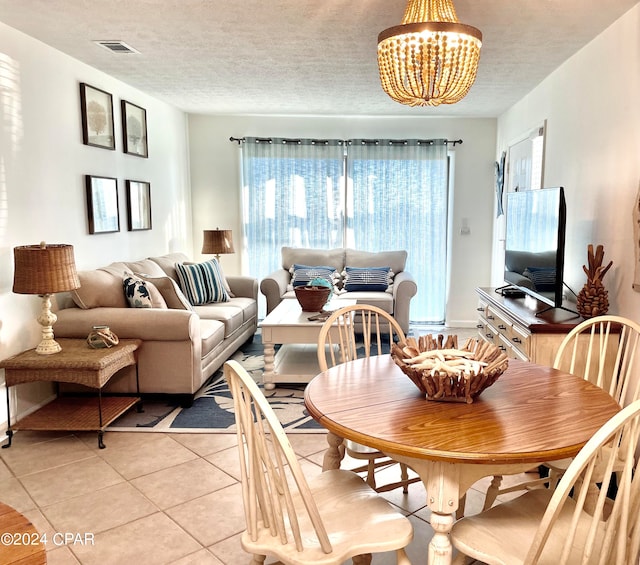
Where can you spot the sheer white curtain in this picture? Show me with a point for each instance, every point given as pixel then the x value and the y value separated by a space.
pixel 398 200
pixel 293 194
pixel 395 197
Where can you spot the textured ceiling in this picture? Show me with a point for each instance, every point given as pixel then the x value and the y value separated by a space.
pixel 303 56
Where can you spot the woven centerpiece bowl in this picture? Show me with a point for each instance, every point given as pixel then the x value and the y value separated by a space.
pixel 312 298
pixel 442 371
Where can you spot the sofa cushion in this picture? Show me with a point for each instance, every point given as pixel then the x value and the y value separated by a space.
pixel 302 256
pixel 168 263
pixel 382 300
pixel 170 291
pixel 211 335
pixel 248 306
pixel 367 278
pixel 232 316
pixel 99 288
pixel 140 293
pixel 202 283
pixel 394 259
pixel 144 267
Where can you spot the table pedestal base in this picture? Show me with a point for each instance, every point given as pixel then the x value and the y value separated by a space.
pixel 446 485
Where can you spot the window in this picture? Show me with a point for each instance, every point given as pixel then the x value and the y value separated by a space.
pixel 372 195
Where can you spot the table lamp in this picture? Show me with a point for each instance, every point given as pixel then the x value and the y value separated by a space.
pixel 45 269
pixel 217 242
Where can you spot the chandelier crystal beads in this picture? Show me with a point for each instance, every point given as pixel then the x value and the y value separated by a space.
pixel 431 58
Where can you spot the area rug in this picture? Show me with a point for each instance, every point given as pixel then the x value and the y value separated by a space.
pixel 212 409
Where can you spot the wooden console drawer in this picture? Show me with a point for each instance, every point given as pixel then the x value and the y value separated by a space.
pixel 482 309
pixel 500 322
pixel 521 340
pixel 488 333
pixel 512 324
pixel 511 351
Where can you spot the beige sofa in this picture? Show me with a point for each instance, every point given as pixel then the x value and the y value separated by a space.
pixel 182 344
pixel 396 300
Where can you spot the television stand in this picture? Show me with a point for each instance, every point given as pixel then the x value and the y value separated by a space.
pixel 524 327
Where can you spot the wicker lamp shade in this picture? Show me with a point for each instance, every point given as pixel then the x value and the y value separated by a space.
pixel 44 269
pixel 431 58
pixel 217 242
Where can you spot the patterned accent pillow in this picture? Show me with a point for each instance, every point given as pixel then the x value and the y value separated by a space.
pixel 302 275
pixel 141 294
pixel 202 283
pixel 374 279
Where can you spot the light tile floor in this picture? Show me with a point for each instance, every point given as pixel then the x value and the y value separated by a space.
pixel 156 498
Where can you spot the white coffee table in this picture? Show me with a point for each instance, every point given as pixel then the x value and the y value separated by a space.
pixel 297 359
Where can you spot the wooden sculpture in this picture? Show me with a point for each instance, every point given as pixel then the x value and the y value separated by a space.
pixel 593 299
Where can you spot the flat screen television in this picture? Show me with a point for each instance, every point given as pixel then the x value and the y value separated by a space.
pixel 534 243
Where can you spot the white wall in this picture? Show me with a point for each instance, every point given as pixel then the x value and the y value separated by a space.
pixel 593 150
pixel 42 168
pixel 215 182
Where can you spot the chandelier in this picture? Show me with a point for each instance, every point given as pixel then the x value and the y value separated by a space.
pixel 431 58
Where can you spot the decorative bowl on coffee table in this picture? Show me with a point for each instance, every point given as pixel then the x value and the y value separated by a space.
pixel 312 298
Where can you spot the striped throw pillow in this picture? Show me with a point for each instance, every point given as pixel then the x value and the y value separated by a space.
pixel 302 275
pixel 202 283
pixel 366 279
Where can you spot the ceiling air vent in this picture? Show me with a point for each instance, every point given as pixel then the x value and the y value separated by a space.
pixel 116 46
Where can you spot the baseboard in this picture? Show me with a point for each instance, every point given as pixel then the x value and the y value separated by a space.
pixel 452 324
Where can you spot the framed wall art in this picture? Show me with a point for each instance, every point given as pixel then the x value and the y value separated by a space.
pixel 97 117
pixel 526 160
pixel 134 129
pixel 138 205
pixel 102 204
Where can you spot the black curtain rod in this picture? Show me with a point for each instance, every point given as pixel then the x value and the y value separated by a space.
pixel 240 140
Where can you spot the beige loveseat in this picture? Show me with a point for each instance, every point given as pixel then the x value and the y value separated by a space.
pixel 182 344
pixel 395 300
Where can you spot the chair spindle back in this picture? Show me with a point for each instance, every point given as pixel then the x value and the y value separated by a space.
pixel 338 338
pixel 607 533
pixel 270 472
pixel 603 351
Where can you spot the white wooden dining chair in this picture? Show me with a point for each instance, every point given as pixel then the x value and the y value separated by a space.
pixel 554 527
pixel 354 332
pixel 601 350
pixel 326 520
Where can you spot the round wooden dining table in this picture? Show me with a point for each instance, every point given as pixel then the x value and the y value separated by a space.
pixel 532 414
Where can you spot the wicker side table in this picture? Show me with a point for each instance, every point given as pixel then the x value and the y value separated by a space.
pixel 76 363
